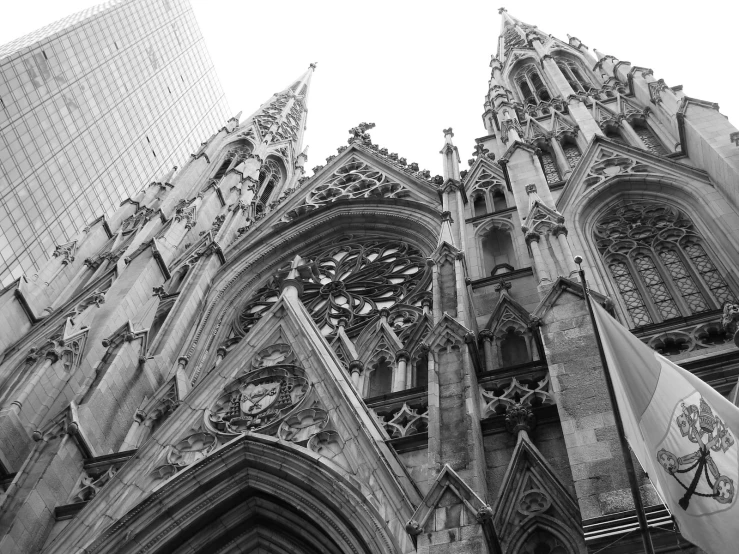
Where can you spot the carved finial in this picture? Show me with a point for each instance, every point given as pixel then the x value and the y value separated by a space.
pixel 448 132
pixel 313 65
pixel 501 10
pixel 480 150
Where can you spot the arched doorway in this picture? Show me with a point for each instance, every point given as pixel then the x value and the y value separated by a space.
pixel 255 494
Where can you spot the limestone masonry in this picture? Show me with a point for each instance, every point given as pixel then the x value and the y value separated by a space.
pixel 375 360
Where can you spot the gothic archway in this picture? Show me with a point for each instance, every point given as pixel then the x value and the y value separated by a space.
pixel 253 492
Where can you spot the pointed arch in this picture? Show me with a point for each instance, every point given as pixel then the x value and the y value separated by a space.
pixel 272 175
pixel 682 193
pixel 241 495
pixel 496 246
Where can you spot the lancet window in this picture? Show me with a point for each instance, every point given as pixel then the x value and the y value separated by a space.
pixel 487 195
pixel 615 135
pixel 532 88
pixel 574 76
pixel 649 139
pixel 237 154
pixel 549 165
pixel 270 177
pixel 571 151
pixel 659 262
pixel 497 249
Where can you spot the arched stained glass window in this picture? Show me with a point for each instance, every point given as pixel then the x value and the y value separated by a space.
pixel 659 262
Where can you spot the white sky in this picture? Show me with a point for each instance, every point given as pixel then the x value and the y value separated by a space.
pixel 417 67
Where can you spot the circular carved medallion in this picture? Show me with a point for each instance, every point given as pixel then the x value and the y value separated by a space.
pixel 259 400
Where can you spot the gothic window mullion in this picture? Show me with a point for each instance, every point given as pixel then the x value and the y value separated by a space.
pixel 693 299
pixel 631 292
pixel 534 92
pixel 710 276
pixel 654 282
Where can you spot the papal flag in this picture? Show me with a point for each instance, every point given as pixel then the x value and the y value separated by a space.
pixel 683 433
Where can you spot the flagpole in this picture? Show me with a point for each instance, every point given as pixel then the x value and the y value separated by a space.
pixel 625 451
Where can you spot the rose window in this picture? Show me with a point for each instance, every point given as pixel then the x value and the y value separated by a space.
pixel 659 262
pixel 352 279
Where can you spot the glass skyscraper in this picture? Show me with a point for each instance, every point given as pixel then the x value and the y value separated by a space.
pixel 92 108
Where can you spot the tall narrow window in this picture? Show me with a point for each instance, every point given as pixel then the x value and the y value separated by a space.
pixel 572 153
pixel 528 96
pixel 656 286
pixel 499 201
pixel 684 281
pixel 497 249
pixel 541 89
pixel 269 177
pixel 649 139
pixel 222 170
pixel 709 273
pixel 659 263
pixel 381 379
pixel 615 136
pixel 630 293
pixel 479 205
pixel 569 77
pixel 549 164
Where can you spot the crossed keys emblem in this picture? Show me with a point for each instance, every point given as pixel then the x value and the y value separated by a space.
pixel 701 427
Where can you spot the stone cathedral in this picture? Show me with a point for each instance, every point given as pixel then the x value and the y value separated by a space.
pixel 375 360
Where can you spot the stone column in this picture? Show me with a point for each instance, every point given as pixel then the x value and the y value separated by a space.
pixel 487 343
pixel 631 135
pixel 51 357
pixel 356 368
pixel 532 240
pixel 131 441
pixel 559 154
pixel 401 358
pixel 559 232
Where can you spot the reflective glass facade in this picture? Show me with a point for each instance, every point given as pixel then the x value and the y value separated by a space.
pixel 92 108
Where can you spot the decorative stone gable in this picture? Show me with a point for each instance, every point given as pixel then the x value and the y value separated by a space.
pixel 355 179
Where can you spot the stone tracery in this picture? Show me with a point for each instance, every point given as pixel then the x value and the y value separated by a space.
pixel 658 261
pixel 355 179
pixel 352 279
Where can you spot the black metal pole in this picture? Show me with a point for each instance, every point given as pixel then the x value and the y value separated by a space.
pixel 625 452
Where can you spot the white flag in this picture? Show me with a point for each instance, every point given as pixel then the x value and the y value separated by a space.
pixel 683 433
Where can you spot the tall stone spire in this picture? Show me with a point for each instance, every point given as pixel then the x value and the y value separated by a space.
pixel 282 118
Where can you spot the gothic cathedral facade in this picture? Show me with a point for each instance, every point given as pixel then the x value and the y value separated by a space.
pixel 374 360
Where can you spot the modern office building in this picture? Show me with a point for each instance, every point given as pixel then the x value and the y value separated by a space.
pixel 91 109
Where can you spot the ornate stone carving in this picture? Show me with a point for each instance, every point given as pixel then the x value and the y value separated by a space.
pixel 609 164
pixel 90 485
pixel 355 179
pixel 533 502
pixel 499 396
pixel 188 451
pixel 302 425
pixel 519 418
pixel 259 400
pixel 352 279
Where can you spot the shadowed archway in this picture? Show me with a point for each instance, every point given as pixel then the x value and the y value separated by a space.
pixel 255 494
